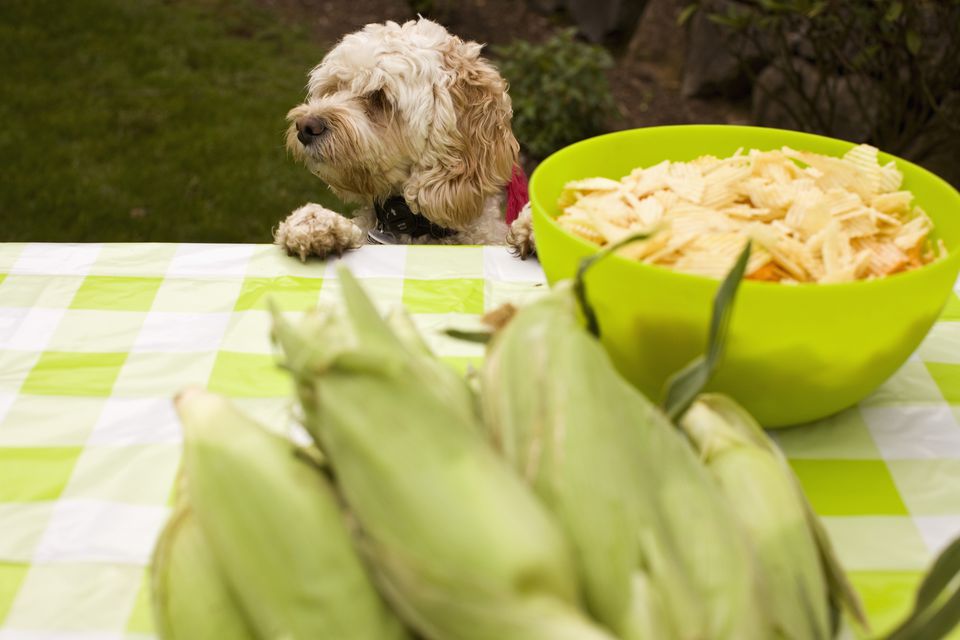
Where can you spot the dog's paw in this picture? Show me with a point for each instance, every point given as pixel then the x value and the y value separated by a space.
pixel 520 234
pixel 313 230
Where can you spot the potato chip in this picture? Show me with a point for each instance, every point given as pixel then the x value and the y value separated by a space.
pixel 686 181
pixel 813 218
pixel 863 157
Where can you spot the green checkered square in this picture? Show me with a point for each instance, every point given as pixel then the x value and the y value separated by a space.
pixel 15 366
pixel 134 259
pixel 842 436
pixel 849 487
pixel 116 293
pixel 83 597
pixel 40 420
pixel 461 295
pixel 947 377
pixel 62 373
pixel 97 330
pixel 911 383
pixel 249 332
pixel 874 543
pixel 48 292
pixel 386 293
pixel 131 474
pixel 158 374
pixel 951 311
pixel 515 293
pixel 249 375
pixel 942 344
pixel 141 618
pixel 887 596
pixel 288 293
pixel 269 261
pixel 23 526
pixel 32 474
pixel 197 295
pixel 439 262
pixel 11 577
pixel 928 487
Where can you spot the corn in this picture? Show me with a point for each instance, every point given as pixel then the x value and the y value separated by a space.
pixel 770 510
pixel 190 597
pixel 459 546
pixel 654 546
pixel 276 529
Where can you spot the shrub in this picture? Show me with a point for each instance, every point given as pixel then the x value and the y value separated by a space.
pixel 559 91
pixel 888 64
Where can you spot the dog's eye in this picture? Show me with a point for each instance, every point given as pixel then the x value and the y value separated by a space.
pixel 377 101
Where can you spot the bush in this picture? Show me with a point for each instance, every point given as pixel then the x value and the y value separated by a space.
pixel 888 65
pixel 559 91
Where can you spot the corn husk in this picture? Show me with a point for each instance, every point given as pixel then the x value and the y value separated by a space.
pixel 189 595
pixel 767 508
pixel 276 529
pixel 624 484
pixel 459 545
pixel 800 568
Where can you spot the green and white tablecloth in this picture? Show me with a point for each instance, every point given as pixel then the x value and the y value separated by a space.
pixel 96 339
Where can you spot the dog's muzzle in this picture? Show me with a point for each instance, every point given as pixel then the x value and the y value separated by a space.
pixel 309 129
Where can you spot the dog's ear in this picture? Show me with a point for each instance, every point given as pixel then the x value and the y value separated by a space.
pixel 472 150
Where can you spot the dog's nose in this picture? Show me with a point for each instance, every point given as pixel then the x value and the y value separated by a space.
pixel 309 128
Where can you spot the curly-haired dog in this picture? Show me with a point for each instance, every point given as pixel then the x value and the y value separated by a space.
pixel 412 124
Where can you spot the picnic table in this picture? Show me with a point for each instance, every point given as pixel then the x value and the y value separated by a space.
pixel 96 339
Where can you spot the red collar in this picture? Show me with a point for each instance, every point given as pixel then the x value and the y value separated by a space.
pixel 517 193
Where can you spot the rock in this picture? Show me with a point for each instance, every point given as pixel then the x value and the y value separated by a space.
pixel 658 39
pixel 842 108
pixel 710 67
pixel 604 20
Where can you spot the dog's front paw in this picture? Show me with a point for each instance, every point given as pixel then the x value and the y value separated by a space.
pixel 313 230
pixel 520 234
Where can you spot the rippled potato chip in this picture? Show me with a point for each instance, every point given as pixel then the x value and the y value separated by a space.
pixel 813 218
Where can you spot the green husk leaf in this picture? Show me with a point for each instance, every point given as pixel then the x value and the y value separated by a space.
pixel 941 585
pixel 685 385
pixel 580 285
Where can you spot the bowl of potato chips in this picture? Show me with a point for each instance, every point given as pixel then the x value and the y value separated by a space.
pixel 855 253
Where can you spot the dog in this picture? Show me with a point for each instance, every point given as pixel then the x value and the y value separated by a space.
pixel 413 125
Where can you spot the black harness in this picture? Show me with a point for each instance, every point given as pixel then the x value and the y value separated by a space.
pixel 395 218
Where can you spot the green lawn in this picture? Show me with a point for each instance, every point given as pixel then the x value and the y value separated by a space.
pixel 144 120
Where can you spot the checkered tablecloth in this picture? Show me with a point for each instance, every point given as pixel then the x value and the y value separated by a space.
pixel 96 339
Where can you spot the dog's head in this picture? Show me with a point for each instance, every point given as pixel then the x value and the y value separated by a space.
pixel 407 110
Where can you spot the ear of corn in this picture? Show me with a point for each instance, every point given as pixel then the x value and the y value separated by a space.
pixel 620 479
pixel 275 529
pixel 771 512
pixel 719 424
pixel 462 549
pixel 190 596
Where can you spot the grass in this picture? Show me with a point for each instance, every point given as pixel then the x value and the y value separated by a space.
pixel 143 121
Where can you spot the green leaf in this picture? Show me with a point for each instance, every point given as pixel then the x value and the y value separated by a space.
pixel 894 12
pixel 913 42
pixel 928 619
pixel 685 385
pixel 580 286
pixel 687 13
pixel 945 569
pixel 817 9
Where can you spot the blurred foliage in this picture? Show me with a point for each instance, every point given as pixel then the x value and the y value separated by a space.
pixel 895 63
pixel 559 91
pixel 149 120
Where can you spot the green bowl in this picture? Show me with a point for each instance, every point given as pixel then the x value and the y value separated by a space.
pixel 794 353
